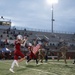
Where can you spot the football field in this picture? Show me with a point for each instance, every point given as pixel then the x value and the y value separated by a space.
pixel 53 67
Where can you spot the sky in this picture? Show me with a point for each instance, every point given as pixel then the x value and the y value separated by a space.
pixel 36 14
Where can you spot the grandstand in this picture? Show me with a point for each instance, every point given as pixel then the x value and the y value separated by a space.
pixel 8 35
pixel 53 39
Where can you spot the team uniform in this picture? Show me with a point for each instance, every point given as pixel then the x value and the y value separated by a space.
pixel 32 55
pixel 17 51
pixel 41 54
pixel 63 51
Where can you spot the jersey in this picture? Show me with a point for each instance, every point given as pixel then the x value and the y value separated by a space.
pixel 17 46
pixel 36 48
pixel 17 51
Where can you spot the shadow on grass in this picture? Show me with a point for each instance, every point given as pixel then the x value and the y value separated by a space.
pixel 67 66
pixel 9 74
pixel 33 66
pixel 2 69
pixel 22 69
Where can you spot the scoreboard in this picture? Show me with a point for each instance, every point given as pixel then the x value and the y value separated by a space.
pixel 5 23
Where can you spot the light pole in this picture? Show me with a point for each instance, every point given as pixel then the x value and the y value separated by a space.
pixel 52 19
pixel 52 2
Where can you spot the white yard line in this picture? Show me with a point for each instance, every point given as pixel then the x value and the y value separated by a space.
pixel 34 69
pixel 59 63
pixel 40 70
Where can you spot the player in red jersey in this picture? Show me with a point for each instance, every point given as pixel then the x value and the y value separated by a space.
pixel 33 52
pixel 17 52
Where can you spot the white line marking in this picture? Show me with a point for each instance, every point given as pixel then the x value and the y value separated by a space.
pixel 34 69
pixel 40 70
pixel 60 63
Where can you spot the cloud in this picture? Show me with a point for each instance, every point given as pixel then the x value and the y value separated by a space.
pixel 36 14
pixel 2 2
pixel 27 5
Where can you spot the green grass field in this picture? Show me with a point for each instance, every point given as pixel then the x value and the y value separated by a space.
pixel 53 67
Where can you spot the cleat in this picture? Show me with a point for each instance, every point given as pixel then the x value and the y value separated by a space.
pixel 11 70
